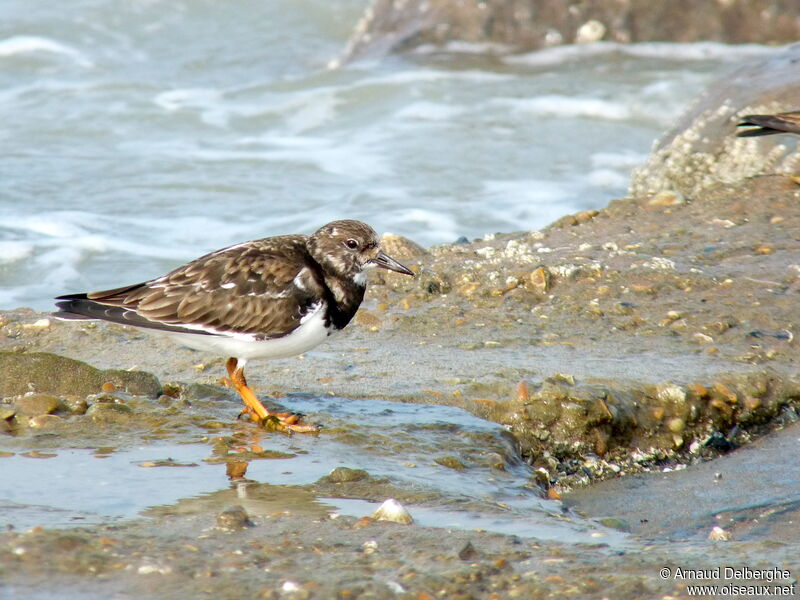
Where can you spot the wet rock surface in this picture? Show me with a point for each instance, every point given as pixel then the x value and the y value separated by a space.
pixel 521 25
pixel 49 373
pixel 751 494
pixel 626 337
pixel 297 557
pixel 702 150
pixel 644 337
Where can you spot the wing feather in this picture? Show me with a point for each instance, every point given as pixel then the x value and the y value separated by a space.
pixel 788 122
pixel 262 288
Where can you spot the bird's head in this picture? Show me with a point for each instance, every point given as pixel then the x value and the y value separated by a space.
pixel 348 248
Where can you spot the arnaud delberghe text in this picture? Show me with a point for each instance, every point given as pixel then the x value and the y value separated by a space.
pixel 733 573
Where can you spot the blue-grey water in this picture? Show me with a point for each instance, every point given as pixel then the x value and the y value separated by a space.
pixel 400 441
pixel 138 135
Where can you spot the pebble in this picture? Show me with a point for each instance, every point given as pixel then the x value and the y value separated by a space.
pixel 726 223
pixel 37 454
pixel 615 523
pixel 44 421
pixel 670 393
pixel 698 390
pixel 392 510
pixel 451 462
pixel 346 474
pixel 676 425
pixel 564 378
pixel 38 324
pixel 752 403
pixel 667 198
pixel 150 569
pixel 718 534
pixel 107 412
pixel 234 518
pixel 723 391
pixel 591 31
pixel 702 338
pixel 368 319
pixel 468 553
pixel 290 587
pixel 75 405
pixel 36 404
pixel 401 247
pixel 370 546
pixel 540 279
pixel 469 289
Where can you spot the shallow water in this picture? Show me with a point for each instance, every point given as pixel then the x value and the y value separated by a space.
pixel 395 441
pixel 141 135
pixel 752 492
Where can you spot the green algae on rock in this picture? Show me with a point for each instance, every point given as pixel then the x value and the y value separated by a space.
pixel 52 374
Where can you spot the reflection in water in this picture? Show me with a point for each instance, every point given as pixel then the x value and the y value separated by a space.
pixel 236 469
pixel 446 466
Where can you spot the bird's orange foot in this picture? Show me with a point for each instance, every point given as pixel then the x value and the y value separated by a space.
pixel 287 421
pixel 257 412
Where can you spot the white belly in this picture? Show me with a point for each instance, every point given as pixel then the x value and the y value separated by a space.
pixel 310 333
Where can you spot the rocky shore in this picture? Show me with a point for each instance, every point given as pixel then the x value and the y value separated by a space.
pixel 642 339
pixel 624 338
pixel 653 334
pixel 503 26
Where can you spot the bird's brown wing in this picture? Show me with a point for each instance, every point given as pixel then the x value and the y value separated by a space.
pixel 788 122
pixel 261 288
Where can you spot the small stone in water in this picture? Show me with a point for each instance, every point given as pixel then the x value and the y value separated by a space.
pixel 615 523
pixel 234 518
pixel 290 586
pixel 718 534
pixel 676 425
pixel 468 552
pixel 451 462
pixel 702 338
pixel 43 421
pixel 346 474
pixel 37 454
pixel 154 569
pixel 105 412
pixel 75 405
pixel 36 404
pixel 392 510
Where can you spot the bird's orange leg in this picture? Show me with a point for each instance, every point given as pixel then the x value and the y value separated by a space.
pixel 255 410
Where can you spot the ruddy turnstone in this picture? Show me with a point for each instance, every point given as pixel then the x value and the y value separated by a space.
pixel 270 298
pixel 787 122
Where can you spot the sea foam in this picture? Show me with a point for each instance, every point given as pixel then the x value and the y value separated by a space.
pixel 25 44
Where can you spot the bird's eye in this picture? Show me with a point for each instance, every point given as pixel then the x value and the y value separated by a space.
pixel 351 243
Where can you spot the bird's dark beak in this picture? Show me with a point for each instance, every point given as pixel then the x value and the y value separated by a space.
pixel 387 262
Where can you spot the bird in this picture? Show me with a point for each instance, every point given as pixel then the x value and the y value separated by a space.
pixel 274 297
pixel 786 122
